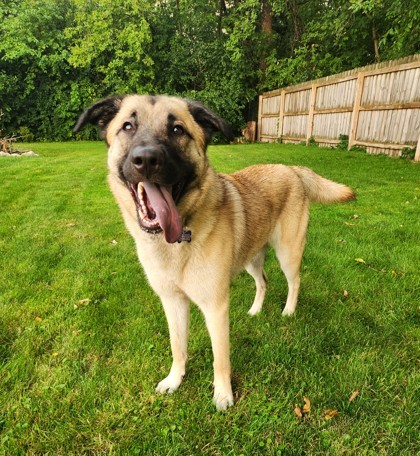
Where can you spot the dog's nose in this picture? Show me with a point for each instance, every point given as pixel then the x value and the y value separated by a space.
pixel 147 160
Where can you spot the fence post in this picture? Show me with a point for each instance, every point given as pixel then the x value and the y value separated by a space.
pixel 281 114
pixel 311 113
pixel 356 109
pixel 417 156
pixel 259 123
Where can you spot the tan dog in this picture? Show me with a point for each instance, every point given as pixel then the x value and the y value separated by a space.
pixel 194 228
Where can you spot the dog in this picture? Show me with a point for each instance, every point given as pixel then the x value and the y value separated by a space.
pixel 194 228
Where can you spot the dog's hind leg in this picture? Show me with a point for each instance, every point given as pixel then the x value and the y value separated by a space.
pixel 289 243
pixel 256 269
pixel 177 310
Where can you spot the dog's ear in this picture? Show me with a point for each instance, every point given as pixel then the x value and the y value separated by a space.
pixel 100 113
pixel 209 122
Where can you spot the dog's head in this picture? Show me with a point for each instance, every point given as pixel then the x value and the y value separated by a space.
pixel 157 147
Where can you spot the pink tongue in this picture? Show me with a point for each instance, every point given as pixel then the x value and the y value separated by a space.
pixel 169 219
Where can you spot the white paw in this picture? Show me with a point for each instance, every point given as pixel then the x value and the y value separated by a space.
pixel 222 399
pixel 169 384
pixel 253 311
pixel 288 312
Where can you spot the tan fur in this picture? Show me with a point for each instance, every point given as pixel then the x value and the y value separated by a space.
pixel 233 218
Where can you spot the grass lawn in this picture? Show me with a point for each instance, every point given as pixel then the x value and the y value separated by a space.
pixel 83 340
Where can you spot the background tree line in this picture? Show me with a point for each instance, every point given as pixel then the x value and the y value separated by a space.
pixel 58 56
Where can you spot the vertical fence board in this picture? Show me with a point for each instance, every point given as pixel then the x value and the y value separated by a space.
pixel 356 109
pixel 311 112
pixel 281 114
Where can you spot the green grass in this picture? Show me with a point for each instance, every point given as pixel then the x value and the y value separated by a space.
pixel 79 378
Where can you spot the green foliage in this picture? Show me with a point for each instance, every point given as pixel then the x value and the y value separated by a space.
pixel 56 57
pixel 408 153
pixel 112 37
pixel 343 142
pixel 24 134
pixel 311 141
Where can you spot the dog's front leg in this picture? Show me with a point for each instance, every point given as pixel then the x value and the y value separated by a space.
pixel 217 320
pixel 177 310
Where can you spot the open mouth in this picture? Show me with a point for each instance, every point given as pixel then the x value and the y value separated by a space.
pixel 156 208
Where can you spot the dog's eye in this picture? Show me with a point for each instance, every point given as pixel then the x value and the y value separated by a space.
pixel 178 130
pixel 128 127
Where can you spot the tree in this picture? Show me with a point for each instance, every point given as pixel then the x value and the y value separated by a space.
pixel 110 39
pixel 56 57
pixel 34 69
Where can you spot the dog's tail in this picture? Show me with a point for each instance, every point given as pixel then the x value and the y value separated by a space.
pixel 321 190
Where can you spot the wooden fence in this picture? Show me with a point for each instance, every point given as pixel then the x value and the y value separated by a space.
pixel 377 107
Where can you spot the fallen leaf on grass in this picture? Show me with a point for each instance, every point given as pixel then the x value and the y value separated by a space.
pixel 360 260
pixel 307 406
pixel 354 395
pixel 38 319
pixel 346 294
pixel 330 413
pixel 302 412
pixel 82 302
pixel 76 332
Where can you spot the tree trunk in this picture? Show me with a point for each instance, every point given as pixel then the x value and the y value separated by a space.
pixel 266 28
pixel 267 17
pixel 221 10
pixel 375 42
pixel 294 12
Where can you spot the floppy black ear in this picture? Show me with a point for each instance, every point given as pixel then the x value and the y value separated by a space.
pixel 210 122
pixel 100 113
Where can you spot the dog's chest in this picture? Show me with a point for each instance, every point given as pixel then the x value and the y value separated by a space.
pixel 168 261
pixel 185 267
